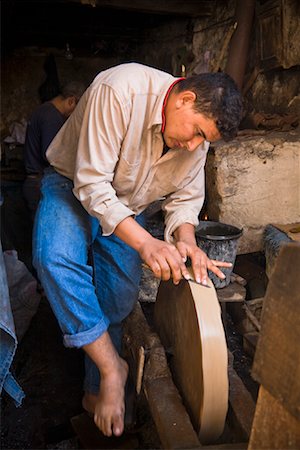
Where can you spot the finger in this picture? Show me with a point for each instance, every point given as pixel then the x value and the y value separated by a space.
pixel 181 247
pixel 183 251
pixel 199 270
pixel 170 262
pixel 155 267
pixel 221 263
pixel 165 270
pixel 217 272
pixel 178 268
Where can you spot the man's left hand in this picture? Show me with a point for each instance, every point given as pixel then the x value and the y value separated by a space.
pixel 200 261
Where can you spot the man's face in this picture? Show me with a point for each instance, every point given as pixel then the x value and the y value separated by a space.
pixel 185 128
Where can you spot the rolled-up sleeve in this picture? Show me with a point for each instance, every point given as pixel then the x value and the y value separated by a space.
pixel 184 205
pixel 103 130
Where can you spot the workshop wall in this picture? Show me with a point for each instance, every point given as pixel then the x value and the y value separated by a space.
pixel 23 73
pixel 183 45
pixel 194 45
pixel 272 75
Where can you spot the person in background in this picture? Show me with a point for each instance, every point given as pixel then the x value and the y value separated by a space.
pixel 137 134
pixel 42 126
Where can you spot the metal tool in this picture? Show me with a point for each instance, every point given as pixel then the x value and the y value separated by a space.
pixel 190 279
pixel 197 282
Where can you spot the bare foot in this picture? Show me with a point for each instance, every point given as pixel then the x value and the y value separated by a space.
pixel 89 402
pixel 108 406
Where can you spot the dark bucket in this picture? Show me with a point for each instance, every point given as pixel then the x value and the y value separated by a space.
pixel 219 241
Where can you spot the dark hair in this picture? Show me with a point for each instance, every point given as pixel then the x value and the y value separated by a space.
pixel 73 89
pixel 218 98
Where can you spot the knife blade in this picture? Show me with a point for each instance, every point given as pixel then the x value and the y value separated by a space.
pixel 197 282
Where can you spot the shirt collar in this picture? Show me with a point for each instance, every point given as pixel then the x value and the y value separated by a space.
pixel 158 114
pixel 165 102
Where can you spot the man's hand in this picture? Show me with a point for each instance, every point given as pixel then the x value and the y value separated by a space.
pixel 164 260
pixel 200 262
pixel 187 247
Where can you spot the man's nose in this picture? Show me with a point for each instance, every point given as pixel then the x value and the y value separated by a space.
pixel 192 144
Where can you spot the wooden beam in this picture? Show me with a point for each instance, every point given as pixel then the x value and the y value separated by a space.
pixel 174 7
pixel 187 8
pixel 274 427
pixel 241 402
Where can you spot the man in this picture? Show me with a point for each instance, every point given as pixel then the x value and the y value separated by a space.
pixel 43 125
pixel 137 134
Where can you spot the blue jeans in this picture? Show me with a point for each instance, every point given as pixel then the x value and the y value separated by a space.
pixel 87 297
pixel 8 339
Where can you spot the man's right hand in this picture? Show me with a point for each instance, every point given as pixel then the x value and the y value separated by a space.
pixel 162 258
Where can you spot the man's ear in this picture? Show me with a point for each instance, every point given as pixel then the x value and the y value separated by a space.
pixel 184 98
pixel 72 100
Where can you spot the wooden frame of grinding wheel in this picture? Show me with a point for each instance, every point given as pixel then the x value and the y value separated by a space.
pixel 188 320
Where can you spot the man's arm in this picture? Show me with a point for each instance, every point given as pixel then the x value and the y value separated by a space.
pixel 182 209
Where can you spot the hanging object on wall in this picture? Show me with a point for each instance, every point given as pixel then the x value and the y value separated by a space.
pixel 68 54
pixel 239 44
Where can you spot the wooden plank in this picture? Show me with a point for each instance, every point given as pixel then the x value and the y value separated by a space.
pixel 277 358
pixel 230 446
pixel 273 426
pixel 169 414
pixel 250 342
pixel 241 403
pixel 175 7
pixel 234 292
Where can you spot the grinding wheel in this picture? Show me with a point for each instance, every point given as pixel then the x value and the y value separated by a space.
pixel 188 320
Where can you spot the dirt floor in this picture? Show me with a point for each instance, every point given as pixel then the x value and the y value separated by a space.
pixel 52 375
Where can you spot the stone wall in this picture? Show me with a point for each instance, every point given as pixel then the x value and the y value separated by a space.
pixel 270 87
pixel 251 181
pixel 254 181
pixel 195 43
pixel 208 39
pixel 23 73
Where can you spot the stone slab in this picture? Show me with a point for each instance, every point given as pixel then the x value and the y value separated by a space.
pixel 254 181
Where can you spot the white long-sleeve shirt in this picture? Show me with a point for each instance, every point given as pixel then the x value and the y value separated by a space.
pixel 112 145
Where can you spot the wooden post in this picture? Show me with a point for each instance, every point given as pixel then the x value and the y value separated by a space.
pixel 276 365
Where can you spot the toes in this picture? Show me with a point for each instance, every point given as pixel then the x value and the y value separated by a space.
pixel 107 427
pixel 118 426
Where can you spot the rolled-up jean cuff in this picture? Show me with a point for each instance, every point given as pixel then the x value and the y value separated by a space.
pixel 86 337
